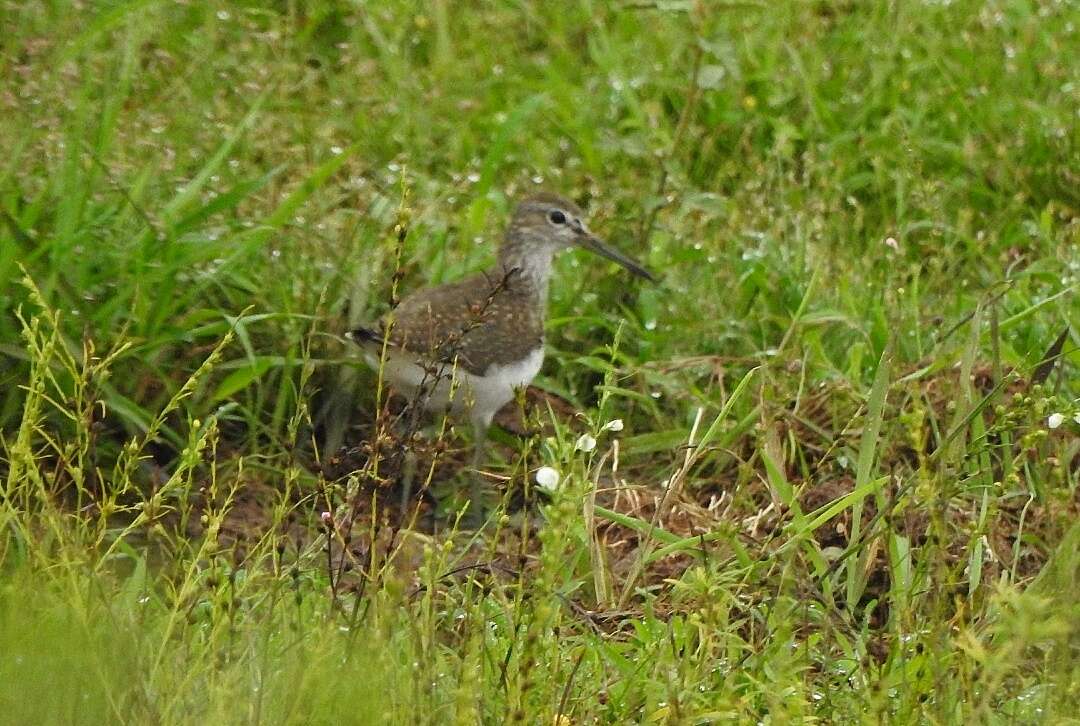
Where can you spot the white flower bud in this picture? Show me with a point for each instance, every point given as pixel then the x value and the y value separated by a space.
pixel 547 477
pixel 585 443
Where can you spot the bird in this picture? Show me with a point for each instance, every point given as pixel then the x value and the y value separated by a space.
pixel 466 347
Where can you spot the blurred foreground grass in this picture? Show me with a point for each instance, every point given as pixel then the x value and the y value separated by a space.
pixel 865 216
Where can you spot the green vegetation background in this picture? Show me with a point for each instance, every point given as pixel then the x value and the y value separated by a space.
pixel 866 212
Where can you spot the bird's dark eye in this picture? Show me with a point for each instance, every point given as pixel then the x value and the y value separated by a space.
pixel 557 217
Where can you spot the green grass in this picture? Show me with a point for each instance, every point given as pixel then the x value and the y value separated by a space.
pixel 866 220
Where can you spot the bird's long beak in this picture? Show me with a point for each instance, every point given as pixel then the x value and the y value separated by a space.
pixel 594 244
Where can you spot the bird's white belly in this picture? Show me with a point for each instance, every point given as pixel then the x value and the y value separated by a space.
pixel 457 389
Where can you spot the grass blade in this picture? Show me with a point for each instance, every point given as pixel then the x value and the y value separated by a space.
pixel 856 568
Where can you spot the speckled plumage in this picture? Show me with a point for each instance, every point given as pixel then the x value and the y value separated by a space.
pixel 488 327
pixel 494 317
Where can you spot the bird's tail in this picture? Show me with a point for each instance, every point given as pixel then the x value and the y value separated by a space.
pixel 365 335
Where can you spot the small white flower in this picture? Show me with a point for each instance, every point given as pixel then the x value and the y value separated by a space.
pixel 585 443
pixel 892 244
pixel 1055 420
pixel 1076 418
pixel 613 425
pixel 547 477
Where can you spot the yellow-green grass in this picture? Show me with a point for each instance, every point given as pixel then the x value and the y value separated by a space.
pixel 865 216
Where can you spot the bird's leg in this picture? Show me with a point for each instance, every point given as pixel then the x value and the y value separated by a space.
pixel 408 473
pixel 407 430
pixel 474 517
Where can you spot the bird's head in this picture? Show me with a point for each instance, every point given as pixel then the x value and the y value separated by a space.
pixel 551 223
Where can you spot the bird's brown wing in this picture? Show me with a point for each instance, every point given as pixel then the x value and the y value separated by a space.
pixel 482 320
